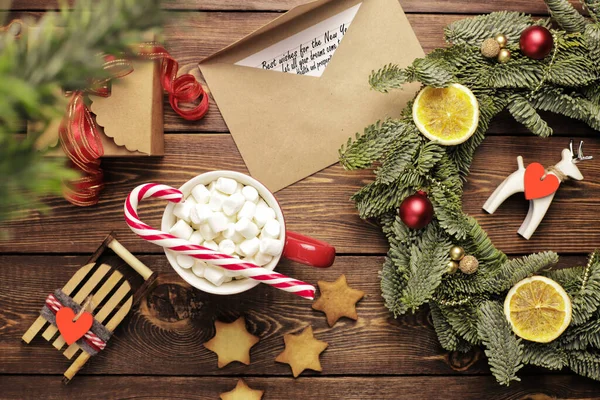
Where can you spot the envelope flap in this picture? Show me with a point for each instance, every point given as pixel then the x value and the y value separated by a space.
pixel 290 23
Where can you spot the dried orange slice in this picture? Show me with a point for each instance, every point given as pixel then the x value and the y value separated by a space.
pixel 447 115
pixel 538 309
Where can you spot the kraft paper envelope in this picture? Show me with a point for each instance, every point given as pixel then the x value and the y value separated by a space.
pixel 288 126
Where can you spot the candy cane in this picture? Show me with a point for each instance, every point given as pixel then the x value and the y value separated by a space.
pixel 183 246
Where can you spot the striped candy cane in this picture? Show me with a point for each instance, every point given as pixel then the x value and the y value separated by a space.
pixel 182 246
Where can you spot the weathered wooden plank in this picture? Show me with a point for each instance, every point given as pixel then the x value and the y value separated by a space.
pixel 165 335
pixel 320 205
pixel 347 388
pixel 429 6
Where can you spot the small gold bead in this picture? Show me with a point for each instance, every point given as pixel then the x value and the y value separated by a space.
pixel 468 265
pixel 503 56
pixel 452 267
pixel 501 40
pixel 457 253
pixel 490 48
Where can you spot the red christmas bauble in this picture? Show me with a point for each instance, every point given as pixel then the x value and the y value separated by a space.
pixel 416 211
pixel 536 42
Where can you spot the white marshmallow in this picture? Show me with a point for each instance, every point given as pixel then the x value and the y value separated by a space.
pixel 272 247
pixel 263 214
pixel 226 185
pixel 227 246
pixel 250 193
pixel 262 259
pixel 231 234
pixel 233 204
pixel 211 245
pixel 198 268
pixel 218 222
pixel 181 229
pixel 239 188
pixel 196 237
pixel 249 248
pixel 227 279
pixel 200 213
pixel 216 201
pixel 211 187
pixel 185 261
pixel 272 229
pixel 182 210
pixel 207 233
pixel 247 210
pixel 214 275
pixel 246 228
pixel 201 194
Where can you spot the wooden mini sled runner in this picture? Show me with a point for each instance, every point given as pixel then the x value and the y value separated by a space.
pixel 110 290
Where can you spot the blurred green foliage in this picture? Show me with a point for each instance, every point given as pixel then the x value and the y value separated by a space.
pixel 35 71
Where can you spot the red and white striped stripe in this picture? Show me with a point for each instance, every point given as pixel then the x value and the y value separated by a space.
pixel 174 243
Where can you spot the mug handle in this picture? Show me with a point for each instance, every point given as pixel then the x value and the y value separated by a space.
pixel 307 250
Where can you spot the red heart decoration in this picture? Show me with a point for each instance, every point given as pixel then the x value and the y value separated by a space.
pixel 535 186
pixel 71 330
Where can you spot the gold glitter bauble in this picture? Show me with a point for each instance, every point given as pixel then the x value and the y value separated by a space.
pixel 468 265
pixel 501 40
pixel 457 253
pixel 452 267
pixel 490 48
pixel 503 56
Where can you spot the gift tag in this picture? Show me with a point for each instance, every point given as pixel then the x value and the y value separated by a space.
pixel 71 330
pixel 535 186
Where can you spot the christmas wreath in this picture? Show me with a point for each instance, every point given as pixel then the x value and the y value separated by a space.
pixel 557 70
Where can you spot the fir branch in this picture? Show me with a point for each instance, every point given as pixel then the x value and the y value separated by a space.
pixel 448 337
pixel 586 300
pixel 372 144
pixel 464 321
pixel 591 37
pixel 506 276
pixel 583 336
pixel 593 7
pixel 503 349
pixel 474 30
pixel 431 71
pixel 566 15
pixel 574 71
pixel 524 113
pixel 392 286
pixel 585 363
pixel 428 259
pixel 544 355
pixel 388 77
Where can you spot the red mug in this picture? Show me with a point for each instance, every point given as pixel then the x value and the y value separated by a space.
pixel 299 248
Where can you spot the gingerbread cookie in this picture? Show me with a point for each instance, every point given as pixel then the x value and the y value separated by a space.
pixel 337 300
pixel 302 352
pixel 231 342
pixel 242 392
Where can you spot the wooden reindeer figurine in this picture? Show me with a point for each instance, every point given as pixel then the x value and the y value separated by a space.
pixel 539 186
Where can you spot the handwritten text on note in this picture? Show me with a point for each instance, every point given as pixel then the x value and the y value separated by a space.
pixel 307 52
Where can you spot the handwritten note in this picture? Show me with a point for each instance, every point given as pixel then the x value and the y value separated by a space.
pixel 307 52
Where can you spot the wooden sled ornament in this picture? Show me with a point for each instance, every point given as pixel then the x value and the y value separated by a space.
pixel 539 185
pixel 110 292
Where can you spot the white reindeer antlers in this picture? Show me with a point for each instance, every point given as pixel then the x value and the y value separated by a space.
pixel 539 186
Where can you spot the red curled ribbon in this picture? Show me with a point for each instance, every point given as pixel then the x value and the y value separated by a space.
pixel 79 133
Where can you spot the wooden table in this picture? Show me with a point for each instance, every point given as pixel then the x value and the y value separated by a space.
pixel 158 352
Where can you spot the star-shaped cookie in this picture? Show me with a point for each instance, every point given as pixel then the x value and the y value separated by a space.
pixel 337 300
pixel 232 342
pixel 302 352
pixel 242 392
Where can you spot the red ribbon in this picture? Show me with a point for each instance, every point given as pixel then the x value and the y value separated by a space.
pixel 79 133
